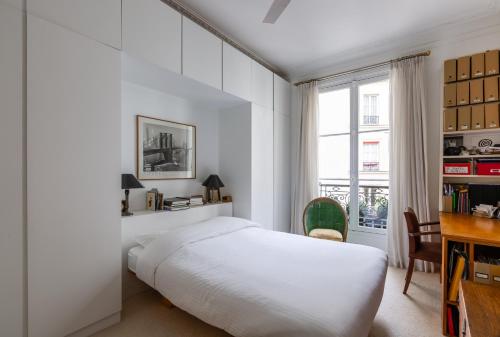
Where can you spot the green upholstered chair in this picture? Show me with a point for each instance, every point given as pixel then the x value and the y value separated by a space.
pixel 324 218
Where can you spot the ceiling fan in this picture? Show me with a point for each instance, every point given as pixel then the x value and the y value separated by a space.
pixel 277 8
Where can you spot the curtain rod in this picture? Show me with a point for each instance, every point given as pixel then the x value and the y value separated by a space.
pixel 376 65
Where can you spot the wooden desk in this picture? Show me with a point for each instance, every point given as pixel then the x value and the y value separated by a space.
pixel 471 231
pixel 479 310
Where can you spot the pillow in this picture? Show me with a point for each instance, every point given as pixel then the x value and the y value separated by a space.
pixel 145 239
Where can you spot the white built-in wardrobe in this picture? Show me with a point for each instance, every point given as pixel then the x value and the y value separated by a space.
pixel 60 134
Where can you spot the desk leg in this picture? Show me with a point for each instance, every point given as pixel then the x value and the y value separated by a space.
pixel 444 284
pixel 471 261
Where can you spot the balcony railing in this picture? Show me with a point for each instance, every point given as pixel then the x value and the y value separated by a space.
pixel 370 120
pixel 373 202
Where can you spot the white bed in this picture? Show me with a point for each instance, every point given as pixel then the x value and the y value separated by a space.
pixel 254 282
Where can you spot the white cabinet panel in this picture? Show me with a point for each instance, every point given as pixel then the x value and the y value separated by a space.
pixel 237 72
pixel 11 168
pixel 201 54
pixel 73 180
pixel 281 172
pixel 97 19
pixel 262 166
pixel 262 86
pixel 19 4
pixel 282 95
pixel 153 31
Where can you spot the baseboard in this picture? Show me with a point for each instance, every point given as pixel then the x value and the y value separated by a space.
pixel 97 326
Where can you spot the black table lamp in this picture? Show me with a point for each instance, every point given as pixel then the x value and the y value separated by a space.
pixel 128 182
pixel 213 183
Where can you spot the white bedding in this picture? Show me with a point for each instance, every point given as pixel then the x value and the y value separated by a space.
pixel 133 256
pixel 253 282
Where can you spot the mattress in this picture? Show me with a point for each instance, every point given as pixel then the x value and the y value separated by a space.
pixel 133 255
pixel 253 282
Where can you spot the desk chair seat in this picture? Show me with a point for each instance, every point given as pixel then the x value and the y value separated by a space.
pixel 429 251
pixel 327 234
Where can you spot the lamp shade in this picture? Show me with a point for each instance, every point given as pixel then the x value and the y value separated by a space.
pixel 129 182
pixel 213 181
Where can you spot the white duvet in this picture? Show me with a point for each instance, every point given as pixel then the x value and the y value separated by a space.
pixel 254 282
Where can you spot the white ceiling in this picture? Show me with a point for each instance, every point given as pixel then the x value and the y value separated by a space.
pixel 312 33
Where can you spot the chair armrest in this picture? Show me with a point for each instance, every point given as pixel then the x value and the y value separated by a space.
pixel 429 223
pixel 424 233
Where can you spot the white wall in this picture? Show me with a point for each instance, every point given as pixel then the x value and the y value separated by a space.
pixel 12 177
pixel 139 100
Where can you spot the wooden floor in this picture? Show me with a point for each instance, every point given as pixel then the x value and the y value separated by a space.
pixel 414 315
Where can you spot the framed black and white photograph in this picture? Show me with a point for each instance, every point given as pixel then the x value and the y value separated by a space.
pixel 165 150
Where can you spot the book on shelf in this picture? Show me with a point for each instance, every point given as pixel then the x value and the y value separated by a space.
pixel 455 280
pixel 450 320
pixel 176 208
pixel 176 201
pixel 196 200
pixel 460 201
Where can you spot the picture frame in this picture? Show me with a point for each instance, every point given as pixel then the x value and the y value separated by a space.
pixel 165 149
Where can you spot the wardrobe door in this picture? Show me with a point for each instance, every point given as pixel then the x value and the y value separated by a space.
pixel 98 19
pixel 73 180
pixel 201 54
pixel 282 207
pixel 262 166
pixel 236 72
pixel 262 86
pixel 152 31
pixel 12 172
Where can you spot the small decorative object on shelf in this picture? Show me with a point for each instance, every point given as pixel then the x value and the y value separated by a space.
pixel 227 198
pixel 213 184
pixel 128 182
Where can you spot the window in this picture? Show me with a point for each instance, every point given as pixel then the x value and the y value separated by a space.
pixel 353 150
pixel 370 109
pixel 371 156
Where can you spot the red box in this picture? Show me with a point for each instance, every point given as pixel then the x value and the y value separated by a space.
pixel 457 168
pixel 488 169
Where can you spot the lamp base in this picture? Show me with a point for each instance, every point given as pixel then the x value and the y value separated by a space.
pixel 127 213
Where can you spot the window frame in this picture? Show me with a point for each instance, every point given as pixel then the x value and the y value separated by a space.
pixel 353 81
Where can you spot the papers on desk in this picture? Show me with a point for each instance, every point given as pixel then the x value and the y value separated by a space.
pixel 485 211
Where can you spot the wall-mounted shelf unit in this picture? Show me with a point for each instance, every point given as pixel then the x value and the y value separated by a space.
pixel 468 132
pixel 473 156
pixel 470 118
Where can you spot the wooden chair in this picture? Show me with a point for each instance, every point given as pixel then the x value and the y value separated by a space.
pixel 419 250
pixel 324 218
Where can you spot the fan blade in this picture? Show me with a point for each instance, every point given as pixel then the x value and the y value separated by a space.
pixel 276 10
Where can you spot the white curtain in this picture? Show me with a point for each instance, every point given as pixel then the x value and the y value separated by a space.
pixel 408 167
pixel 305 184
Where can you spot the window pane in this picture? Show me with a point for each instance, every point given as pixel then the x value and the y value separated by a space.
pixel 334 157
pixel 373 106
pixel 373 155
pixel 373 185
pixel 334 111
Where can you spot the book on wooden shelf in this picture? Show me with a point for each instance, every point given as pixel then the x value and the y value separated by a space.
pixel 451 325
pixel 455 280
